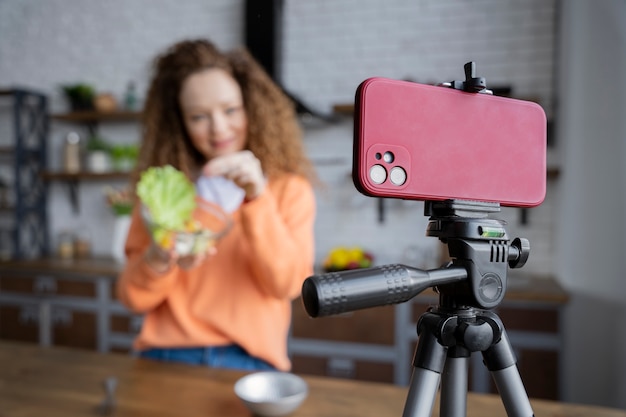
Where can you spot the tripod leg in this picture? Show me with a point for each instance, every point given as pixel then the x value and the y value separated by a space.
pixel 428 364
pixel 453 401
pixel 500 360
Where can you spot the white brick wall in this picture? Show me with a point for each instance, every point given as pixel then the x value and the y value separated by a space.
pixel 45 44
pixel 329 47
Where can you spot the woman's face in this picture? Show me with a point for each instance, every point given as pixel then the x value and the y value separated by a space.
pixel 213 112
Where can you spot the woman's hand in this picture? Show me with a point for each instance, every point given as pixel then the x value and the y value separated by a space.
pixel 243 168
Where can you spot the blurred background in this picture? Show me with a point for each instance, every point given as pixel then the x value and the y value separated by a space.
pixel 568 56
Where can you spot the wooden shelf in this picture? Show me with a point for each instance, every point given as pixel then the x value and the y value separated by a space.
pixel 72 179
pixel 95 116
pixel 48 175
pixel 345 109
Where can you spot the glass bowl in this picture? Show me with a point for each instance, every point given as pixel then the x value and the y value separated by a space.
pixel 271 393
pixel 208 224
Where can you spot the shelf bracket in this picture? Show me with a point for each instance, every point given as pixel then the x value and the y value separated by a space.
pixel 381 210
pixel 72 186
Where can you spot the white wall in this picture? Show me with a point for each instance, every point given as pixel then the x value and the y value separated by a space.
pixel 329 47
pixel 332 45
pixel 591 226
pixel 46 44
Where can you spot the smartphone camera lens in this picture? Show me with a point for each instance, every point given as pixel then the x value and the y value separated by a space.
pixel 397 176
pixel 388 157
pixel 378 174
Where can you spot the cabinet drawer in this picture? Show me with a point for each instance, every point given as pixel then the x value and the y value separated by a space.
pixel 19 323
pixel 44 285
pixel 343 368
pixel 373 325
pixel 526 317
pixel 539 319
pixel 74 328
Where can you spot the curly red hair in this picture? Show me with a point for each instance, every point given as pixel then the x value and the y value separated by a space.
pixel 274 135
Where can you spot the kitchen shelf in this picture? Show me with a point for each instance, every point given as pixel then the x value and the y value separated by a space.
pixel 95 116
pixel 72 180
pixel 344 109
pixel 76 176
pixel 90 119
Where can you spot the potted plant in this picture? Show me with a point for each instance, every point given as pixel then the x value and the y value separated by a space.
pixel 80 96
pixel 124 157
pixel 121 202
pixel 98 154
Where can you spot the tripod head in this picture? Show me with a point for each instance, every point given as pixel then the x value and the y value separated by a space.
pixel 478 246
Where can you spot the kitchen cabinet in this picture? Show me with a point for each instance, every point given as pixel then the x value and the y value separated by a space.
pixel 65 303
pixel 377 344
pixel 72 303
pixel 24 231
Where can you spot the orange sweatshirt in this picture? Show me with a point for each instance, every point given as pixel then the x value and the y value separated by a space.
pixel 240 295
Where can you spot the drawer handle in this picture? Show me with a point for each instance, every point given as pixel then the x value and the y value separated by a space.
pixel 341 368
pixel 29 315
pixel 61 316
pixel 45 284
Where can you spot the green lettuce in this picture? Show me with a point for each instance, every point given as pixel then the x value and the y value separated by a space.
pixel 169 196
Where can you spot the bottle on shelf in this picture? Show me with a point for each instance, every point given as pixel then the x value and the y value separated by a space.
pixel 72 153
pixel 130 97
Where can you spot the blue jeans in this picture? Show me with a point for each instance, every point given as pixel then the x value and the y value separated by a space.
pixel 231 356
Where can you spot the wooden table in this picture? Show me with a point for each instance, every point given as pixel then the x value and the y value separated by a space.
pixel 37 381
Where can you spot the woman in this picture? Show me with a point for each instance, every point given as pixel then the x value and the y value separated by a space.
pixel 220 119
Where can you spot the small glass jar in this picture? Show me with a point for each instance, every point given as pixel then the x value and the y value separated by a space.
pixel 65 245
pixel 82 244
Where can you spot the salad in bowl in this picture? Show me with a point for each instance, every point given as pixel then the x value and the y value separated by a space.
pixel 175 216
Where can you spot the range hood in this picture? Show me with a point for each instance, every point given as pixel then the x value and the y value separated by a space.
pixel 263 39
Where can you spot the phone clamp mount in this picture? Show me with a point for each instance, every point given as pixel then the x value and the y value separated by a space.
pixel 472 83
pixel 469 286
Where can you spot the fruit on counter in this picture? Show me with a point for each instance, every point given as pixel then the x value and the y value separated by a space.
pixel 342 258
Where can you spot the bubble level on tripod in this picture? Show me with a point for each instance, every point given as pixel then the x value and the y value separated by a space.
pixel 488 231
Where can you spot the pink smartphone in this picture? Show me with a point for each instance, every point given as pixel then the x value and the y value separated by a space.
pixel 424 142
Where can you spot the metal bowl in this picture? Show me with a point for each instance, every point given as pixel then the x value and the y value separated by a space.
pixel 271 393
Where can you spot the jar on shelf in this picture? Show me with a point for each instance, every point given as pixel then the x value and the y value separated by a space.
pixel 72 153
pixel 82 243
pixel 65 245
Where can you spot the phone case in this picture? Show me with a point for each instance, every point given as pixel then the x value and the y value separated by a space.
pixel 424 142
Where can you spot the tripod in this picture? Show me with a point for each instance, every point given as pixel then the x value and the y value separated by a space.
pixel 473 283
pixel 451 332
